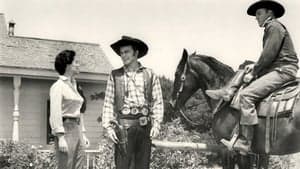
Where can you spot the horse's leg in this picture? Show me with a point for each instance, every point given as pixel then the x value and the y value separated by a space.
pixel 263 161
pixel 228 159
pixel 245 161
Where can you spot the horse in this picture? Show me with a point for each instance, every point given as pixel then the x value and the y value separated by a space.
pixel 203 72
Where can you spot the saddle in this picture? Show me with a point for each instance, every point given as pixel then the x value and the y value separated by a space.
pixel 278 104
pixel 281 102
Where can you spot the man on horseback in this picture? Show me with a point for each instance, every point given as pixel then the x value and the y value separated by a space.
pixel 277 65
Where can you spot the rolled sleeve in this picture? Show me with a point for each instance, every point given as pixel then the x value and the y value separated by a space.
pixel 274 35
pixel 108 114
pixel 56 121
pixel 157 103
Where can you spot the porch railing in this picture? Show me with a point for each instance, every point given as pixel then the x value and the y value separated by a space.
pixel 91 158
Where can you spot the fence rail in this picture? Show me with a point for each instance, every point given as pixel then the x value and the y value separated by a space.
pixel 92 155
pixel 186 145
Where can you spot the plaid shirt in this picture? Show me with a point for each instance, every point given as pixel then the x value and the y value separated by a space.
pixel 134 85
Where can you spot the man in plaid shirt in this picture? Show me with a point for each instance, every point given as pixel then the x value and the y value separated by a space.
pixel 133 102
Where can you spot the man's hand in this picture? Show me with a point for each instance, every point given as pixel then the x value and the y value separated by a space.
pixel 86 141
pixel 249 68
pixel 154 132
pixel 112 135
pixel 248 77
pixel 62 144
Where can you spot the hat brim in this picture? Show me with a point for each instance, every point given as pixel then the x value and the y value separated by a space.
pixel 139 45
pixel 276 7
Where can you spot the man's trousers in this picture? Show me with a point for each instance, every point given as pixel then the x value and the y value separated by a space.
pixel 138 149
pixel 256 91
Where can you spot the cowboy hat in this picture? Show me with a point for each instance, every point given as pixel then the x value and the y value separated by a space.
pixel 276 7
pixel 126 40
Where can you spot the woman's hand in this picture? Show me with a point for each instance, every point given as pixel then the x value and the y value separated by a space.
pixel 62 144
pixel 86 141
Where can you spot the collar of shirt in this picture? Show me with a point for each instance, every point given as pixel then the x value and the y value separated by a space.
pixel 140 68
pixel 63 78
pixel 267 21
pixel 66 79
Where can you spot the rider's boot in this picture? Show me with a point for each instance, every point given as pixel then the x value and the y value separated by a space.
pixel 226 93
pixel 243 143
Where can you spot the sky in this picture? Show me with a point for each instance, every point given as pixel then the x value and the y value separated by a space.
pixel 217 28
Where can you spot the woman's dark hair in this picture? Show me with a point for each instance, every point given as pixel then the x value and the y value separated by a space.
pixel 63 59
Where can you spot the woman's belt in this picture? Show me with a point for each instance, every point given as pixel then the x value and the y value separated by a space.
pixel 71 119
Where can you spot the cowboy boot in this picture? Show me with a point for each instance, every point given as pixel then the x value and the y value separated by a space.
pixel 226 93
pixel 243 143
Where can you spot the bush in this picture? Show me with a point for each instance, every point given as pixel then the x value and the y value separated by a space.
pixel 17 155
pixel 175 131
pixel 45 160
pixel 105 159
pixel 24 156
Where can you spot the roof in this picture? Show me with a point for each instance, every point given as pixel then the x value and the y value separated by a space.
pixel 39 54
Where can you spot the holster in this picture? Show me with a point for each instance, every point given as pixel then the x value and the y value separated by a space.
pixel 121 133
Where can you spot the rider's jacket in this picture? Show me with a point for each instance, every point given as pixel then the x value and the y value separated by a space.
pixel 278 51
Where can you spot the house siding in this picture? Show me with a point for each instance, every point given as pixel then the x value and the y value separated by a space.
pixel 93 111
pixel 6 107
pixel 33 110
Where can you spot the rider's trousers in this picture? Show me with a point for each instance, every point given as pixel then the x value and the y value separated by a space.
pixel 257 90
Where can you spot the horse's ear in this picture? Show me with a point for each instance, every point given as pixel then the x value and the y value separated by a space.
pixel 184 52
pixel 184 56
pixel 182 61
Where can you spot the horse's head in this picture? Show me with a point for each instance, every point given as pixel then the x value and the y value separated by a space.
pixel 197 72
pixel 185 83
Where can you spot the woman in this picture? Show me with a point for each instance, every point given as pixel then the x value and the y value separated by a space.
pixel 66 119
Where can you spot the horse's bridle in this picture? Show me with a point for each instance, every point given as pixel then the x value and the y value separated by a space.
pixel 182 81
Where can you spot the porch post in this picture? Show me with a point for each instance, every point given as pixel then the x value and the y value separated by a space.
pixel 16 113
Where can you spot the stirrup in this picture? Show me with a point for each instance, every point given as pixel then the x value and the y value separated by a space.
pixel 229 144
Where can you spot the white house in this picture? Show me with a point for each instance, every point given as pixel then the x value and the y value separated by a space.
pixel 26 74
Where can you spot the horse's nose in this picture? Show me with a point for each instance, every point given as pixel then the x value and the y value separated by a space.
pixel 172 103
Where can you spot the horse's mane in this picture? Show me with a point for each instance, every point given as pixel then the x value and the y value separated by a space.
pixel 223 71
